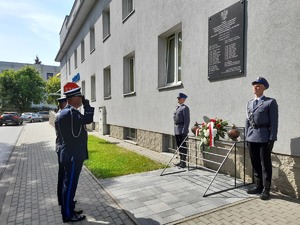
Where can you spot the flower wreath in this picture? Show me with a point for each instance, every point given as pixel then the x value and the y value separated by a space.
pixel 211 131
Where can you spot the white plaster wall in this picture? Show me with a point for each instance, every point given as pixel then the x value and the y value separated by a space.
pixel 272 40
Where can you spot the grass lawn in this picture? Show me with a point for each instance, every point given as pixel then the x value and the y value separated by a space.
pixel 109 160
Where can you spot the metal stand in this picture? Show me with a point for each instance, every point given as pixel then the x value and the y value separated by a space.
pixel 193 145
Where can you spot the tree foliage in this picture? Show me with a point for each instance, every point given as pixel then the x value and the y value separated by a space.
pixel 52 86
pixel 21 88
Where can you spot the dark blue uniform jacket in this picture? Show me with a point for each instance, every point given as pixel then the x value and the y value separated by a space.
pixel 71 127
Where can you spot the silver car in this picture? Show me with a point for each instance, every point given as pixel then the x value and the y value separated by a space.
pixel 31 117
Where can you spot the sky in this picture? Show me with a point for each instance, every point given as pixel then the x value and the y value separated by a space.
pixel 30 28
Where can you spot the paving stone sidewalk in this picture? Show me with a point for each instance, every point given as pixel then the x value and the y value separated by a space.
pixel 31 197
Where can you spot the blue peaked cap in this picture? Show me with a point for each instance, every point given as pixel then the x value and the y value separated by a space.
pixel 73 92
pixel 261 80
pixel 181 95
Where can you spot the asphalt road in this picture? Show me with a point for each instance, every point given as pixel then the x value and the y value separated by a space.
pixel 8 138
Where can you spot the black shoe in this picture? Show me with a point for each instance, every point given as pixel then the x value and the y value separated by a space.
pixel 182 165
pixel 265 195
pixel 74 218
pixel 78 211
pixel 255 190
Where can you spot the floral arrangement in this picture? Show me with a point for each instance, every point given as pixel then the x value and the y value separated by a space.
pixel 210 131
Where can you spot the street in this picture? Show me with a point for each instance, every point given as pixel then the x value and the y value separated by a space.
pixel 9 136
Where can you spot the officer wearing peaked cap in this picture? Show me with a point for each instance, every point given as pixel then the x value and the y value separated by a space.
pixel 62 102
pixel 71 126
pixel 260 134
pixel 181 118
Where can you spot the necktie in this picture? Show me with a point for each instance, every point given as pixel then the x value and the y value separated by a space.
pixel 255 103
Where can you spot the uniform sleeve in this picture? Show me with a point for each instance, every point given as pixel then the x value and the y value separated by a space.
pixel 88 116
pixel 273 115
pixel 186 119
pixel 247 124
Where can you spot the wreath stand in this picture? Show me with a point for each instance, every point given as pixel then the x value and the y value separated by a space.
pixel 193 144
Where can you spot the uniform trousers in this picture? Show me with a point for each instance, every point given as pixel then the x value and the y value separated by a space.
pixel 182 144
pixel 261 161
pixel 60 179
pixel 72 171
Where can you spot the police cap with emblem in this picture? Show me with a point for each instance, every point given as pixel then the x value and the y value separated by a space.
pixel 181 95
pixel 74 92
pixel 261 80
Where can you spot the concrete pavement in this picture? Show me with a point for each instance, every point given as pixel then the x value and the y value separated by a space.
pixel 29 187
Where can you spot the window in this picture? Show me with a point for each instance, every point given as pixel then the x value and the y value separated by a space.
pixel 69 66
pixel 169 143
pixel 93 88
pixel 169 58
pixel 127 9
pixel 107 83
pixel 82 51
pixel 106 23
pixel 129 73
pixel 83 87
pixel 130 134
pixel 92 40
pixel 75 59
pixel 49 75
pixel 173 58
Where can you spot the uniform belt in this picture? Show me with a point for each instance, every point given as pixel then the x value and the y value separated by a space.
pixel 178 123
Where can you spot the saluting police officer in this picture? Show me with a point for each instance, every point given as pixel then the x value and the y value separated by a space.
pixel 71 125
pixel 62 102
pixel 181 118
pixel 261 133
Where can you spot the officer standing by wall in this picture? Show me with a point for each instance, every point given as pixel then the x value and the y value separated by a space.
pixel 181 128
pixel 71 125
pixel 62 102
pixel 261 133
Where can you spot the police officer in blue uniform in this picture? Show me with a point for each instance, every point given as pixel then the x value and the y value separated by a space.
pixel 62 102
pixel 261 133
pixel 71 126
pixel 181 118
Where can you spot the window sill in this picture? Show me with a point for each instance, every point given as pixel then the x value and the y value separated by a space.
pixel 108 97
pixel 106 37
pixel 177 85
pixel 91 52
pixel 82 60
pixel 131 142
pixel 129 94
pixel 93 100
pixel 129 14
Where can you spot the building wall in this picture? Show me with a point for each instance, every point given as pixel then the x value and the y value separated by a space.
pixel 271 51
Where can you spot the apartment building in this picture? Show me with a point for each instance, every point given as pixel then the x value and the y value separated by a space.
pixel 132 58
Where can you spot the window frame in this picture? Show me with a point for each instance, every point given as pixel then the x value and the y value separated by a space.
pixel 107 82
pixel 129 74
pixel 106 23
pixel 125 12
pixel 93 88
pixel 82 46
pixel 92 40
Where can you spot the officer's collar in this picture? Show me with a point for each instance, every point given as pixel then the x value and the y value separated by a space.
pixel 260 98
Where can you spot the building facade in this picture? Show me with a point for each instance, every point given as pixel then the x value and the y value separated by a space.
pixel 132 57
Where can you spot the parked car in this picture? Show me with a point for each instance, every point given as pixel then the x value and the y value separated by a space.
pixel 31 117
pixel 44 114
pixel 10 118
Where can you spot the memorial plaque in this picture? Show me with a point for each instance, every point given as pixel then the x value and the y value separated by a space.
pixel 226 42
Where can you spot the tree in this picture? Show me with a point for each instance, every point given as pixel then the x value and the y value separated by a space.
pixel 52 86
pixel 22 88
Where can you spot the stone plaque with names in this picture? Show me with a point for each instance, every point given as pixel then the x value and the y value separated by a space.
pixel 226 42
